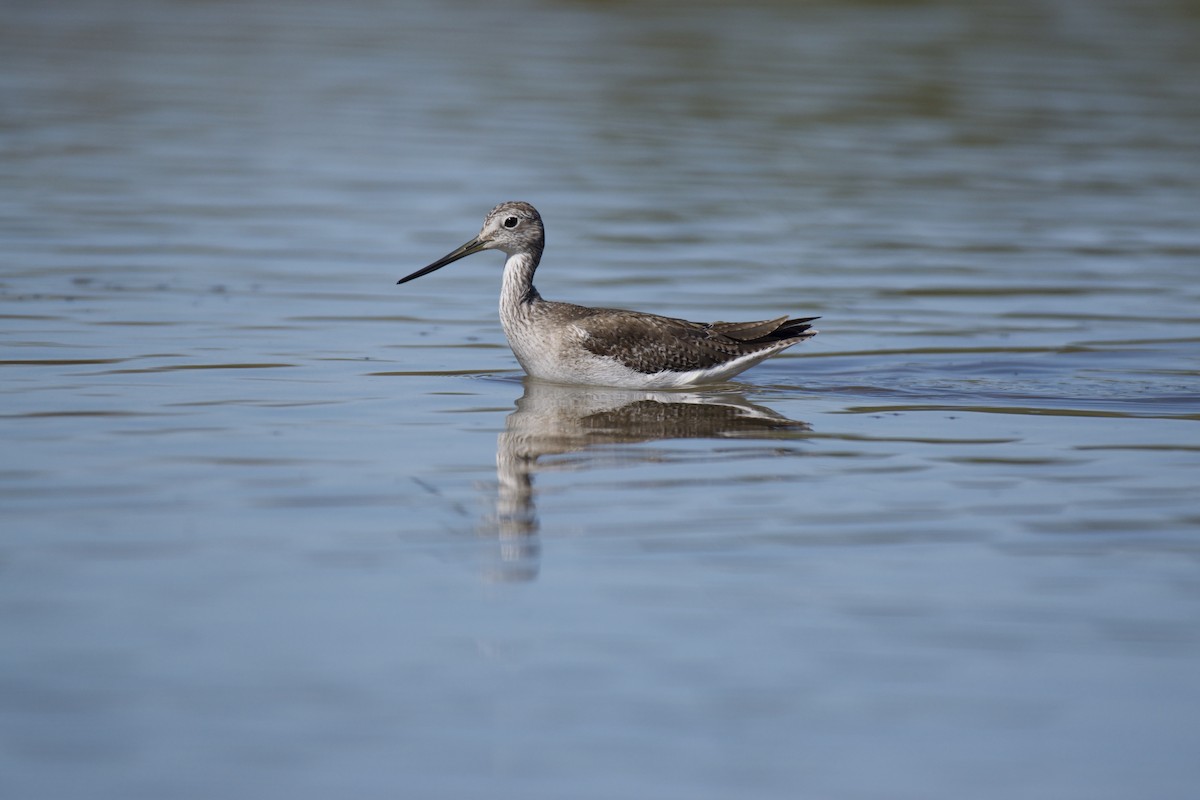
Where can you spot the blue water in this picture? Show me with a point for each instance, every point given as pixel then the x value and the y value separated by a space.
pixel 273 526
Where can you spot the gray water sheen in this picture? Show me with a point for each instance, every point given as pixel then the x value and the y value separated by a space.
pixel 274 527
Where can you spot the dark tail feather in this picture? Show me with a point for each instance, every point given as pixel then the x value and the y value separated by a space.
pixel 792 329
pixel 766 331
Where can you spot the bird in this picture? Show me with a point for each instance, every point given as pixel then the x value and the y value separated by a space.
pixel 572 344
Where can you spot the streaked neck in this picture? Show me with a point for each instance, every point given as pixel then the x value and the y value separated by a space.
pixel 517 288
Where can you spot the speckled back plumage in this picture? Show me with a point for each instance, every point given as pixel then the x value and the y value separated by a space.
pixel 648 343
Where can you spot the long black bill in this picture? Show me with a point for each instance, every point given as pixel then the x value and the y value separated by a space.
pixel 473 246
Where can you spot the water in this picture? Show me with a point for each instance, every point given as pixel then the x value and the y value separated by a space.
pixel 273 526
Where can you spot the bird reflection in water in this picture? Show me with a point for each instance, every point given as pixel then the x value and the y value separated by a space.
pixel 553 419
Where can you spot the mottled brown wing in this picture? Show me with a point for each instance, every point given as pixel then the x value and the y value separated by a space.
pixel 648 343
pixel 748 330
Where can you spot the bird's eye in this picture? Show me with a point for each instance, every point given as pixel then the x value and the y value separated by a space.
pixel 511 222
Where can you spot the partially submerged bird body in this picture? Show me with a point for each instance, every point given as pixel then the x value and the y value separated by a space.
pixel 567 343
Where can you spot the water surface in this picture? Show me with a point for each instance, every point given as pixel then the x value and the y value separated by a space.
pixel 273 526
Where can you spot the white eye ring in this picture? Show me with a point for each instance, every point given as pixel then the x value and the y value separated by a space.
pixel 511 222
